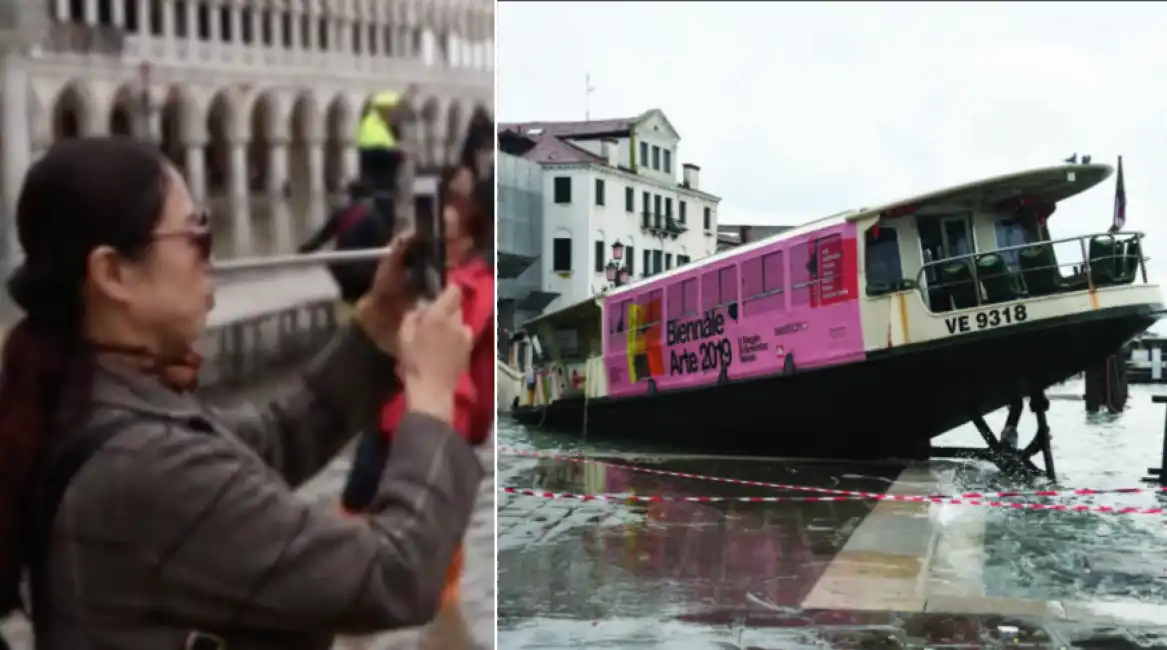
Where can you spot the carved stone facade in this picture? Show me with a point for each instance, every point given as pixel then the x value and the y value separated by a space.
pixel 255 101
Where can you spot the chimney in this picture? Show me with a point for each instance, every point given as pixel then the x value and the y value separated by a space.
pixel 691 176
pixel 608 151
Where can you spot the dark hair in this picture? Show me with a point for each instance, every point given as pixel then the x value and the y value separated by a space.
pixel 477 209
pixel 83 194
pixel 479 135
pixel 359 188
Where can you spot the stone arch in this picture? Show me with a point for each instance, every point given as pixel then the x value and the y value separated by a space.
pixel 455 131
pixel 340 130
pixel 177 119
pixel 222 114
pixel 263 128
pixel 428 134
pixel 74 111
pixel 305 132
pixel 125 111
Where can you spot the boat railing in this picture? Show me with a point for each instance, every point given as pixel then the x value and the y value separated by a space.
pixel 1032 270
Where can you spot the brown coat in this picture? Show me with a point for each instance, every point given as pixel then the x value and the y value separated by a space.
pixel 169 529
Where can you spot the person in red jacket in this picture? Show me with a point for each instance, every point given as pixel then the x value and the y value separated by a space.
pixel 468 220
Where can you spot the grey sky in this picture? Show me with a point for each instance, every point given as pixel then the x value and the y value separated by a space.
pixel 796 111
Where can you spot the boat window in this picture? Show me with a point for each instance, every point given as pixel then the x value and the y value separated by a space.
pixel 674 301
pixel 1015 231
pixel 763 284
pixel 719 288
pixel 801 264
pixel 652 310
pixel 882 266
pixel 681 299
pixel 567 340
pixel 617 332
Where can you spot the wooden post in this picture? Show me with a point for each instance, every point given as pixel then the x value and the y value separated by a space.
pixel 1159 474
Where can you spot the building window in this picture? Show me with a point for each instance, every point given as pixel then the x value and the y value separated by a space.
pixel 644 221
pixel 561 255
pixel 668 208
pixel 599 256
pixel 668 161
pixel 656 157
pixel 562 189
pixel 668 261
pixel 682 260
pixel 647 262
pixel 599 191
pixel 656 261
pixel 708 218
pixel 681 211
pixel 629 199
pixel 644 154
pixel 630 259
pixel 656 209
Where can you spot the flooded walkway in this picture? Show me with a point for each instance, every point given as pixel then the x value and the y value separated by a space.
pixel 847 573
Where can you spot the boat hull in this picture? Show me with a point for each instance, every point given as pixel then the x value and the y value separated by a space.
pixel 889 406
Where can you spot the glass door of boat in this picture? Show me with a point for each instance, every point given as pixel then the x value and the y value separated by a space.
pixel 942 237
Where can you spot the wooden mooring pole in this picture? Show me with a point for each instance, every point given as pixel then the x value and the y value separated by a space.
pixel 1159 474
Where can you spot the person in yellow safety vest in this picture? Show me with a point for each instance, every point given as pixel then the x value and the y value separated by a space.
pixel 380 119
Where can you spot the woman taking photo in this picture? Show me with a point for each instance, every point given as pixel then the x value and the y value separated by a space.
pixel 181 529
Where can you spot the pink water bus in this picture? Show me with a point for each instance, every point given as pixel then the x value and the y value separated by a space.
pixel 860 335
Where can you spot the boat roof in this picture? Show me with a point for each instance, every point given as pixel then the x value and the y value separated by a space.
pixel 574 311
pixel 1050 184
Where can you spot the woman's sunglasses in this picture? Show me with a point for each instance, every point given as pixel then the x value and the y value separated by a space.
pixel 198 234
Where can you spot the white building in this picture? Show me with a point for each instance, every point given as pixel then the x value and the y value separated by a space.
pixel 608 181
pixel 255 101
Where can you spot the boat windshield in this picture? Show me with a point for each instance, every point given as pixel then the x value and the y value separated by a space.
pixel 1016 229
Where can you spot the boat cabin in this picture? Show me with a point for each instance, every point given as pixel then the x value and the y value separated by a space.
pixel 559 352
pixel 833 291
pixel 989 242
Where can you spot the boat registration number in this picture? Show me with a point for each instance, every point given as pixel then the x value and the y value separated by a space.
pixel 987 319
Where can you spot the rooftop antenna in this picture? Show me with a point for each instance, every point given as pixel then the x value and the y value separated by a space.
pixel 588 88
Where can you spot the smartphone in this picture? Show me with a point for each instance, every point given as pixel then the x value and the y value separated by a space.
pixel 425 260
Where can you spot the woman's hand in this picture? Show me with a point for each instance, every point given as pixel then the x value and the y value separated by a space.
pixel 380 311
pixel 434 351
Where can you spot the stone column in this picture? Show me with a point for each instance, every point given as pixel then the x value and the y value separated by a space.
pixel 215 32
pixel 61 9
pixel 241 226
pixel 277 179
pixel 144 18
pixel 236 13
pixel 297 16
pixel 169 32
pixel 316 193
pixel 196 168
pixel 350 162
pixel 16 148
pixel 192 30
pixel 91 12
pixel 119 14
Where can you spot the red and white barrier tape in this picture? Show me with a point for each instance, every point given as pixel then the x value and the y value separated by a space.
pixel 641 498
pixel 821 490
pixel 1009 505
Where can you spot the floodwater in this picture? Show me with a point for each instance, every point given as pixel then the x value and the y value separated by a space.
pixel 842 574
